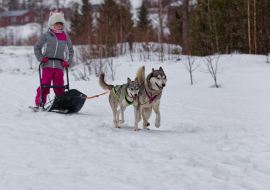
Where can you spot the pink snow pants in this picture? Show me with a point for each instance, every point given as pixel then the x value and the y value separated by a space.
pixel 48 75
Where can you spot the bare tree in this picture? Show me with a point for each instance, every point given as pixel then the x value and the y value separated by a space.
pixel 85 60
pixel 160 31
pixel 185 27
pixel 81 74
pixel 249 35
pixel 41 13
pixel 190 66
pixel 212 66
pixel 110 68
pixel 255 41
pixel 121 28
pixel 57 4
pixel 30 59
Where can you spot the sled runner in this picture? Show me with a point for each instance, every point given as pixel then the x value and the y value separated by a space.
pixel 70 101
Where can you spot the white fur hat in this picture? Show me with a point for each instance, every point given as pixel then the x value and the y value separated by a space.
pixel 56 17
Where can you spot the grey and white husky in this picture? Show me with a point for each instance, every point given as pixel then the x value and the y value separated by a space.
pixel 149 95
pixel 122 95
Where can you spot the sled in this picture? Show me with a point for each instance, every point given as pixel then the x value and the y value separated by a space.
pixel 70 101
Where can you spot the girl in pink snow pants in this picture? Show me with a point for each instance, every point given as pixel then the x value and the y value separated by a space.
pixel 55 44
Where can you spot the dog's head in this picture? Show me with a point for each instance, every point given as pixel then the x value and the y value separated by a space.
pixel 133 88
pixel 157 79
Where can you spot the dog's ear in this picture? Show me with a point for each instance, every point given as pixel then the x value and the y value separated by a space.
pixel 128 80
pixel 160 68
pixel 153 70
pixel 136 79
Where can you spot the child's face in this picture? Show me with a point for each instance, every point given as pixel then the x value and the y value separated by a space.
pixel 58 26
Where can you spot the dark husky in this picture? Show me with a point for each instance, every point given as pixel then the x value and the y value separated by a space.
pixel 150 94
pixel 122 95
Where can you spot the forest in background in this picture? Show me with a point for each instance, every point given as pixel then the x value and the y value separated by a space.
pixel 206 28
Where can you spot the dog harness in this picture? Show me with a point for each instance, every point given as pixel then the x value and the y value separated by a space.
pixel 128 102
pixel 114 91
pixel 150 97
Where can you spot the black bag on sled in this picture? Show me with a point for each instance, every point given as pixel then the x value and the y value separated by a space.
pixel 68 102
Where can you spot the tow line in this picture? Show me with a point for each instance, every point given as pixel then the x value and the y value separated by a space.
pixel 81 97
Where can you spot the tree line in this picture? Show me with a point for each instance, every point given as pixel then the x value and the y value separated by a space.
pixel 209 27
pixel 204 28
pixel 19 5
pixel 225 26
pixel 106 31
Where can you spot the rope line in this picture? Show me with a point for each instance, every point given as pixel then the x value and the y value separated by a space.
pixel 96 95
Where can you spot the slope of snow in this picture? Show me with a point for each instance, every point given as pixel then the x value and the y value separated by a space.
pixel 209 138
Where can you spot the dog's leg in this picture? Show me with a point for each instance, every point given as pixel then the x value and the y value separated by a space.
pixel 118 113
pixel 122 109
pixel 146 113
pixel 156 110
pixel 139 115
pixel 114 110
pixel 136 112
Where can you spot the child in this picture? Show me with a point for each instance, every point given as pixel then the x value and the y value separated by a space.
pixel 56 43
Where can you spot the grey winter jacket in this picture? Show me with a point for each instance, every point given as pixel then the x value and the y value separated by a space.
pixel 53 48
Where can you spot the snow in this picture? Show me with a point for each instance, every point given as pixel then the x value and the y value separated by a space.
pixel 21 31
pixel 136 3
pixel 209 138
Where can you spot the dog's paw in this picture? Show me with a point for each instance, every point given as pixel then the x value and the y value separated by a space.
pixel 136 129
pixel 157 124
pixel 117 127
pixel 146 124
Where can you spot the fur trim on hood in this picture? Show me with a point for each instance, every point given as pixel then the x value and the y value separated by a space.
pixel 56 17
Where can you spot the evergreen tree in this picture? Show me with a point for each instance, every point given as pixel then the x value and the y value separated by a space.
pixel 218 26
pixel 144 26
pixel 200 29
pixel 108 26
pixel 81 23
pixel 76 26
pixel 127 22
pixel 87 21
pixel 30 4
pixel 175 25
pixel 13 5
pixel 86 12
pixel 144 22
pixel 185 29
pixel 24 5
pixel 263 24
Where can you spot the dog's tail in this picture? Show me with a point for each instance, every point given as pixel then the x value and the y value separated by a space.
pixel 141 74
pixel 103 84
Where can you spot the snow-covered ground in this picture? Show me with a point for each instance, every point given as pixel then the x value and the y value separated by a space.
pixel 209 139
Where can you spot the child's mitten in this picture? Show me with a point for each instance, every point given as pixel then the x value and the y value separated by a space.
pixel 64 64
pixel 45 60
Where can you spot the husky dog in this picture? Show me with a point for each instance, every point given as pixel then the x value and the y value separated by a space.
pixel 149 95
pixel 122 95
